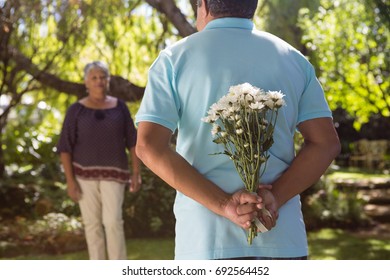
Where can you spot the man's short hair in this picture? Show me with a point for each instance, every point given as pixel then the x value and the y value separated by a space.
pixel 231 8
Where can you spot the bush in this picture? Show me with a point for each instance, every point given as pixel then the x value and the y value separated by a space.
pixel 324 205
pixel 149 212
pixel 54 233
pixel 33 197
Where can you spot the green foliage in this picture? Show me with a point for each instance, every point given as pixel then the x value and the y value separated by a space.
pixel 14 200
pixel 126 40
pixel 280 18
pixel 54 233
pixel 149 212
pixel 146 213
pixel 351 48
pixel 29 138
pixel 324 205
pixel 31 198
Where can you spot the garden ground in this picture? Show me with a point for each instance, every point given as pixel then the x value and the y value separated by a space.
pixel 28 240
pixel 325 244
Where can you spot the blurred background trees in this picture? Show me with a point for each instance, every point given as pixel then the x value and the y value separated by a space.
pixel 44 46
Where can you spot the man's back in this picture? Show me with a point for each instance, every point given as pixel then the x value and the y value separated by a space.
pixel 193 74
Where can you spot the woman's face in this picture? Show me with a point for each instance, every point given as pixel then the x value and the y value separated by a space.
pixel 96 81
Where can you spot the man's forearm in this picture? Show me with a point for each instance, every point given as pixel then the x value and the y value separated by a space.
pixel 309 165
pixel 179 174
pixel 320 149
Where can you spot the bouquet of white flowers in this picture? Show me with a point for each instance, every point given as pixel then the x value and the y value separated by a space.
pixel 244 121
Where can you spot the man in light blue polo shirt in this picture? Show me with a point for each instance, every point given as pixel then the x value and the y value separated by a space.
pixel 211 210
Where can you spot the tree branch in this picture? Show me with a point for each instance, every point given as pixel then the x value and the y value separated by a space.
pixel 173 13
pixel 119 86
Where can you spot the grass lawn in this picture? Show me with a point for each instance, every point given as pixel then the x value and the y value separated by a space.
pixel 137 249
pixel 336 244
pixel 326 244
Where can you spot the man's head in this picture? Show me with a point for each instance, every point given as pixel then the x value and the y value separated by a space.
pixel 225 8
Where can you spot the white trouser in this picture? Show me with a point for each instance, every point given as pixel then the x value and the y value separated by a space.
pixel 101 211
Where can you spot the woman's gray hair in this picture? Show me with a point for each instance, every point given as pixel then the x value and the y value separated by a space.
pixel 231 8
pixel 96 65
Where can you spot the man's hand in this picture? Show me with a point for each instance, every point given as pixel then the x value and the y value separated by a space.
pixel 241 208
pixel 264 191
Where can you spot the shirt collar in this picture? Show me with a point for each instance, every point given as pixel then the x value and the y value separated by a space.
pixel 229 22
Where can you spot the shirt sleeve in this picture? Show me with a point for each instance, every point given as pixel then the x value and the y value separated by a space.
pixel 68 136
pixel 160 103
pixel 312 103
pixel 130 130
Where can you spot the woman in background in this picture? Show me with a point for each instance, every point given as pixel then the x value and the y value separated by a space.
pixel 95 134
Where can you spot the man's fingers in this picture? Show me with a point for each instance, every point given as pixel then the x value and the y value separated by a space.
pixel 268 187
pixel 247 197
pixel 248 208
pixel 245 221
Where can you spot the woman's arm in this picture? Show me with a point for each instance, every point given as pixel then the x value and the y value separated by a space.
pixel 74 190
pixel 136 179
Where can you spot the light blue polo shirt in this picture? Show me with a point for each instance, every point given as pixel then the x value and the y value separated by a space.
pixel 194 73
